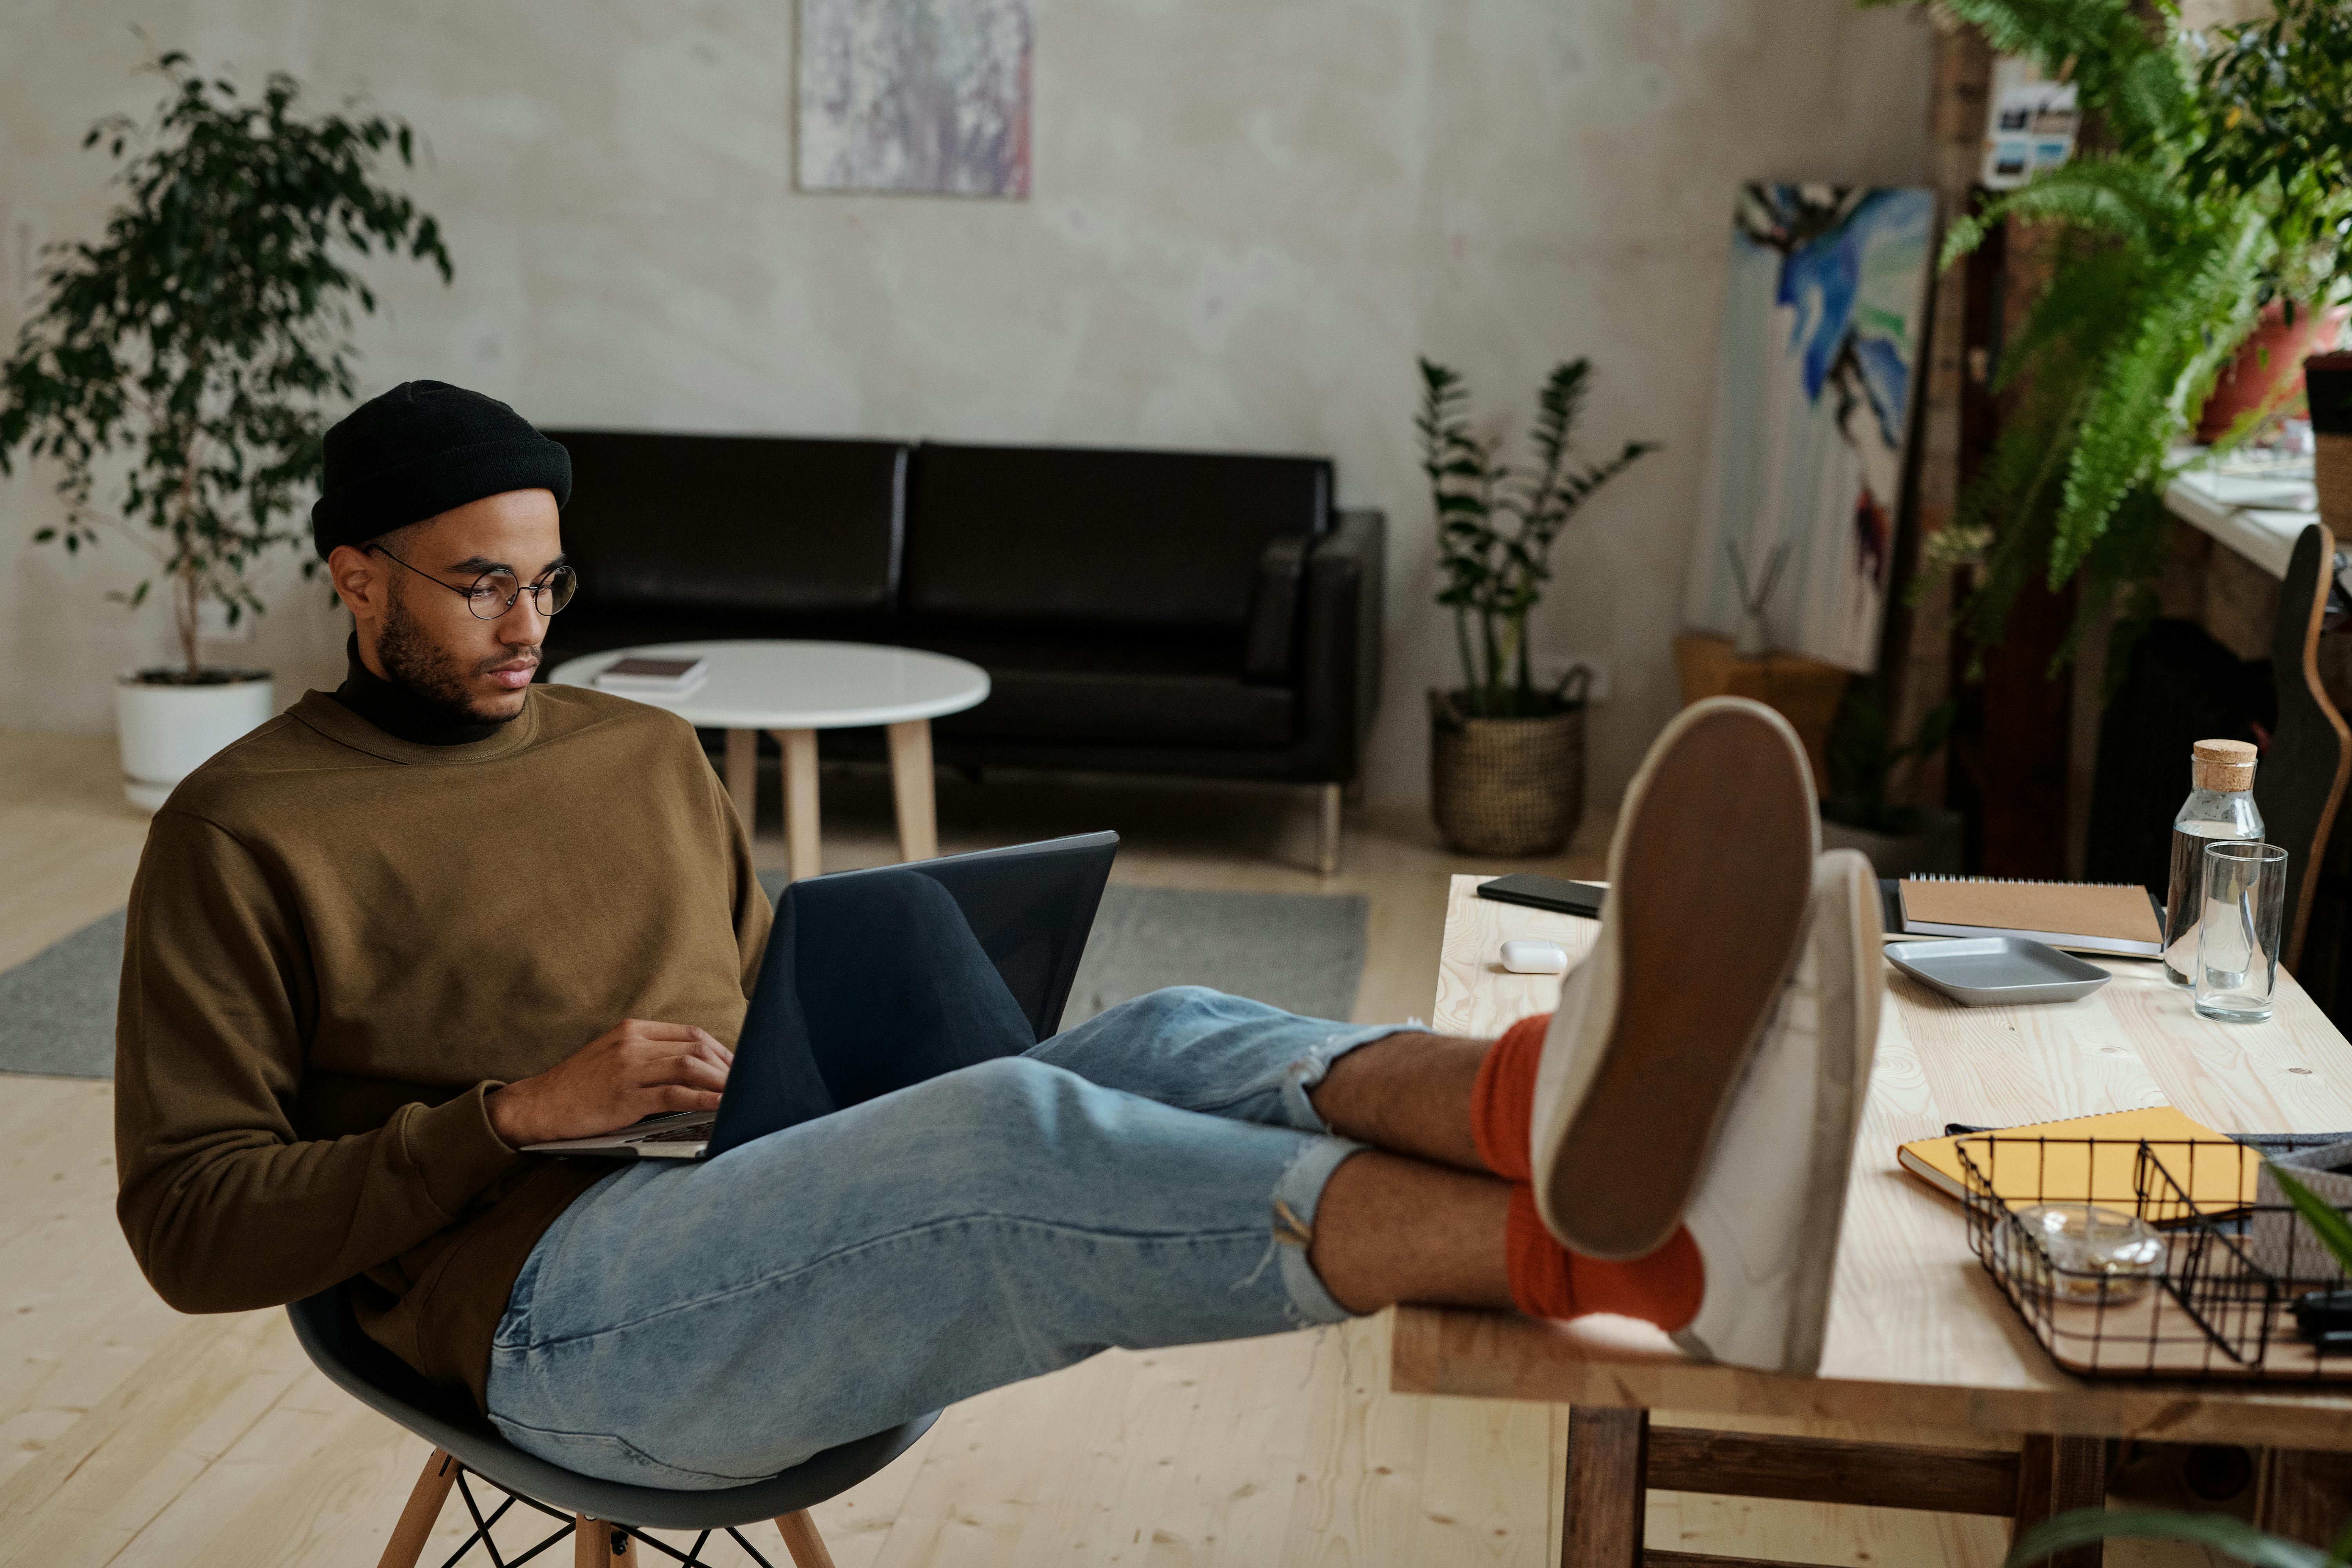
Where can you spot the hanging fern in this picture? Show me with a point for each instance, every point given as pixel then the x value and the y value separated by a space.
pixel 2164 246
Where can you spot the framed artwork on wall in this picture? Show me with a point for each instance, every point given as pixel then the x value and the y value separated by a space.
pixel 1821 337
pixel 928 97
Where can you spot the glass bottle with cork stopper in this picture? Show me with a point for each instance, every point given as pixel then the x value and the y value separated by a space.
pixel 2220 805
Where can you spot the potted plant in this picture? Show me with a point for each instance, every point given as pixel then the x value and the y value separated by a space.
pixel 1507 759
pixel 2274 93
pixel 1857 814
pixel 184 356
pixel 2220 180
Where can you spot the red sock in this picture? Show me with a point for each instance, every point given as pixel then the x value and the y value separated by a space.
pixel 1547 1280
pixel 1503 1100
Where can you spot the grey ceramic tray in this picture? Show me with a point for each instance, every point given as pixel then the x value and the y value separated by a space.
pixel 1997 971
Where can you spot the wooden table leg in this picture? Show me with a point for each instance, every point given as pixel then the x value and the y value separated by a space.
pixel 1608 1488
pixel 911 782
pixel 2056 1475
pixel 743 775
pixel 2304 1496
pixel 415 1526
pixel 800 800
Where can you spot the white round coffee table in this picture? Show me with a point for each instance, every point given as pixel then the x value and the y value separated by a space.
pixel 793 690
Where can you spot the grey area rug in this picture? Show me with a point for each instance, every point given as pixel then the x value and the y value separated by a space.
pixel 1299 950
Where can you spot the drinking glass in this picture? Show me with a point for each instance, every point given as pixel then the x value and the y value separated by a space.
pixel 2238 934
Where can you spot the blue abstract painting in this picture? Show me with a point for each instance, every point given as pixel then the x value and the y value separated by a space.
pixel 1822 332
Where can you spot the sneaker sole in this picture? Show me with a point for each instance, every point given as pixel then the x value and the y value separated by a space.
pixel 1849 986
pixel 1710 879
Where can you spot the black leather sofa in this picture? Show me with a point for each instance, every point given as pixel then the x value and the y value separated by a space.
pixel 1180 613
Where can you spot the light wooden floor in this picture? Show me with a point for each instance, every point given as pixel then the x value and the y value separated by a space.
pixel 132 1435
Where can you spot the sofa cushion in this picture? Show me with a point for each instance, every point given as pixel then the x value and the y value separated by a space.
pixel 745 522
pixel 1074 536
pixel 1090 684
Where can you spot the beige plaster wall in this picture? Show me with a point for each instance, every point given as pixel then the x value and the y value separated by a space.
pixel 1249 215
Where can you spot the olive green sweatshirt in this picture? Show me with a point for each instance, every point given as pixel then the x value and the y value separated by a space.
pixel 338 943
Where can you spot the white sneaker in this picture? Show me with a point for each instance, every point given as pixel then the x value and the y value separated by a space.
pixel 1709 877
pixel 1767 1213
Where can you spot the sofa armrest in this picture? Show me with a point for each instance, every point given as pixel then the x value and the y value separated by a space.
pixel 1270 644
pixel 1341 683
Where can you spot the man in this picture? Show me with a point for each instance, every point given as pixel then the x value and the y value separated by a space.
pixel 403 931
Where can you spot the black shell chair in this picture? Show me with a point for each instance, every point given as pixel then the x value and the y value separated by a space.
pixel 606 1518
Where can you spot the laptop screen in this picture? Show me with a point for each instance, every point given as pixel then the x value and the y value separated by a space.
pixel 1030 908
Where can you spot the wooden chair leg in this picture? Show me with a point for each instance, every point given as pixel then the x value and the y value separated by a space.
pixel 416 1520
pixel 803 1541
pixel 1608 1488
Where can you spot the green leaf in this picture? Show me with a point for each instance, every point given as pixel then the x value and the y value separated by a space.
pixel 2232 1536
pixel 2326 1221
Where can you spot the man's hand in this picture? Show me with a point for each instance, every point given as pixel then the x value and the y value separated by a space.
pixel 637 1070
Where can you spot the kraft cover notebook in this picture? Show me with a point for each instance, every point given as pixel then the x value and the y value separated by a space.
pixel 2089 917
pixel 2070 1168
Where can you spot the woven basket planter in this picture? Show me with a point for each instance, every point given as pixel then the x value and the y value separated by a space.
pixel 1506 786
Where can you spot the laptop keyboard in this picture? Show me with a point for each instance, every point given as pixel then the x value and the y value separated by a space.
pixel 696 1134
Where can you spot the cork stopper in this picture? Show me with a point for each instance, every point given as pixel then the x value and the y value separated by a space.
pixel 2221 765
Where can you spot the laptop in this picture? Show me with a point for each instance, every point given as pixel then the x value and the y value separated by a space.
pixel 1030 906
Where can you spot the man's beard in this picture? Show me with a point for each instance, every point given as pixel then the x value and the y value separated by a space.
pixel 428 672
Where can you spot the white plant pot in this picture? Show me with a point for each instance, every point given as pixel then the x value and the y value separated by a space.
pixel 169 732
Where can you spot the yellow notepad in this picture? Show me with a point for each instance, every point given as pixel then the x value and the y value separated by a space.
pixel 2023 1174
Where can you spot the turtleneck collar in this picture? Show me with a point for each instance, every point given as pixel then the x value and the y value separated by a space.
pixel 401 714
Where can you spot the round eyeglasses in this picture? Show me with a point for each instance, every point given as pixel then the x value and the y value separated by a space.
pixel 493 593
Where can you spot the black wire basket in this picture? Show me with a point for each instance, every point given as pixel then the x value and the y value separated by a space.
pixel 2211 1292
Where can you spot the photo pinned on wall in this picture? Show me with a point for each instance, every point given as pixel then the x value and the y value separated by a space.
pixel 1822 332
pixel 928 97
pixel 2031 127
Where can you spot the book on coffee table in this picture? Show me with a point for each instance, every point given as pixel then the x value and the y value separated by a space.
pixel 658 677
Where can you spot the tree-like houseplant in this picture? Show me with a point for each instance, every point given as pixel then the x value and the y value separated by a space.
pixel 1506 756
pixel 185 358
pixel 1862 811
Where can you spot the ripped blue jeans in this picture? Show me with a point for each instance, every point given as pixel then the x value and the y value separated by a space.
pixel 1148 1178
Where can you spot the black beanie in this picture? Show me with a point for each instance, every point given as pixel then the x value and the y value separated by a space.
pixel 420 449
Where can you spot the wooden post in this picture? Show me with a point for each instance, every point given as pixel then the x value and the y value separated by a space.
pixel 588 1547
pixel 416 1520
pixel 802 1540
pixel 1608 1488
pixel 1919 658
pixel 910 785
pixel 800 800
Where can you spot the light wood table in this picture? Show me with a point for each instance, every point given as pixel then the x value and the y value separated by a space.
pixel 793 690
pixel 1920 1335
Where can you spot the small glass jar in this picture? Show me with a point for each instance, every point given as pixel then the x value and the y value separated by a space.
pixel 2096 1254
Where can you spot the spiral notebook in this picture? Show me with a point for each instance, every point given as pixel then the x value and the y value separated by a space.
pixel 2117 918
